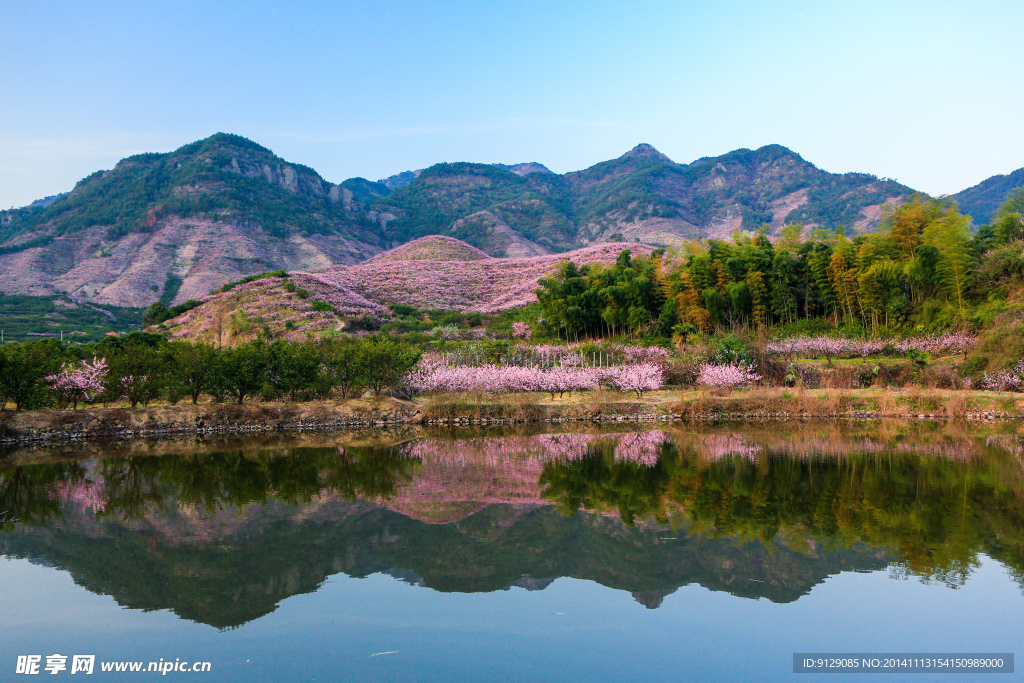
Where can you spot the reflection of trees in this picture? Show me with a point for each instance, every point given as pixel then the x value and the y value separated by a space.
pixel 132 486
pixel 938 513
pixel 599 480
pixel 217 480
pixel 370 473
pixel 135 487
pixel 26 493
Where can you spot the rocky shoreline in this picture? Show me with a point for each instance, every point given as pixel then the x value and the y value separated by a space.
pixel 55 427
pixel 61 427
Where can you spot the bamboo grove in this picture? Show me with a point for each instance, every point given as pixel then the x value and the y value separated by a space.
pixel 921 269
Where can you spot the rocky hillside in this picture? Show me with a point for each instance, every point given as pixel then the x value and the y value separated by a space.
pixel 176 225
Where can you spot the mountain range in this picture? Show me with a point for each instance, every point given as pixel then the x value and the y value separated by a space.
pixel 175 226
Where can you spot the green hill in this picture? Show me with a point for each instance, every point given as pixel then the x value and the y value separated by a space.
pixel 225 177
pixel 983 200
pixel 536 205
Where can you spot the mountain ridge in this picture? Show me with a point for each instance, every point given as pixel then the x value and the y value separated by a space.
pixel 180 224
pixel 982 200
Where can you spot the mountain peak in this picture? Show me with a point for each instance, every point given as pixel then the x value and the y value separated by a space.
pixel 645 151
pixel 400 179
pixel 526 168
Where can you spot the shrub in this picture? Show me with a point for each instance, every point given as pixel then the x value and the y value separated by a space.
pixel 404 310
pixel 943 377
pixel 731 350
pixel 322 307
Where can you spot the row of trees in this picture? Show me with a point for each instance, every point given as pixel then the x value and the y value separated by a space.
pixel 923 259
pixel 140 367
pixel 433 375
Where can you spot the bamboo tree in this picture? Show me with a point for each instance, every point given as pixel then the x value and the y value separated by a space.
pixel 949 234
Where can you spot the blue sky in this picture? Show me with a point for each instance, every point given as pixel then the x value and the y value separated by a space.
pixel 927 93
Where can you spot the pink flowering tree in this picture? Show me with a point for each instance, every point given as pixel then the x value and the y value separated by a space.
pixel 727 376
pixel 829 347
pixel 786 348
pixel 1010 379
pixel 958 342
pixel 521 330
pixel 78 382
pixel 640 378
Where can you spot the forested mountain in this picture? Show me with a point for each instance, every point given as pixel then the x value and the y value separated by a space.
pixel 175 226
pixel 223 176
pixel 983 200
pixel 641 196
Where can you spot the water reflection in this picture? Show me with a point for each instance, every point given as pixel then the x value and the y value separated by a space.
pixel 222 536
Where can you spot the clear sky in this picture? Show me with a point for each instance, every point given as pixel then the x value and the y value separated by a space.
pixel 928 93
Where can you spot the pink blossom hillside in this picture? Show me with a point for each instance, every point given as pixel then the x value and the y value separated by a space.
pixel 432 248
pixel 432 272
pixel 485 285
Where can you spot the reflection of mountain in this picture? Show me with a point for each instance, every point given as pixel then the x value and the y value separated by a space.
pixel 274 551
pixel 222 537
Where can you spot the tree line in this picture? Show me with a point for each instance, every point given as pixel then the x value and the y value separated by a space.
pixel 923 267
pixel 140 367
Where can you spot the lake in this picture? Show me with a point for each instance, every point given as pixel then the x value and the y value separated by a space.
pixel 648 554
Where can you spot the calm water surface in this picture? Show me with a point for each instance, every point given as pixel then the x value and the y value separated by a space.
pixel 673 554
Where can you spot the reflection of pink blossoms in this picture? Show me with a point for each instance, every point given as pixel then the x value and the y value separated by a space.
pixel 78 382
pixel 82 492
pixel 642 448
pixel 719 446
